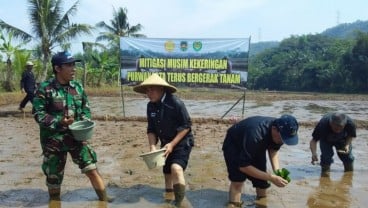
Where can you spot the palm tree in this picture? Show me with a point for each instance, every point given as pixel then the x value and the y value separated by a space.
pixel 9 50
pixel 51 27
pixel 119 28
pixel 90 52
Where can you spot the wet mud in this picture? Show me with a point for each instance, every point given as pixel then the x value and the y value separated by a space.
pixel 119 143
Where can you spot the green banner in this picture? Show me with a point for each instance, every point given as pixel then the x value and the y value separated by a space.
pixel 193 62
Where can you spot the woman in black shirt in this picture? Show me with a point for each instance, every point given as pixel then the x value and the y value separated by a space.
pixel 169 123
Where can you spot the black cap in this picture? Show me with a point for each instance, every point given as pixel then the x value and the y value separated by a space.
pixel 288 127
pixel 63 58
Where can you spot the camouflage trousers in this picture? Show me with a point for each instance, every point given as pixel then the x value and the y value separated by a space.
pixel 55 155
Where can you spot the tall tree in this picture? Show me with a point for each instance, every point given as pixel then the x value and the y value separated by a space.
pixel 51 27
pixel 119 27
pixel 7 47
pixel 357 62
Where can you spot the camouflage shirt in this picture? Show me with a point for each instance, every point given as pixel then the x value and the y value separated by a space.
pixel 53 101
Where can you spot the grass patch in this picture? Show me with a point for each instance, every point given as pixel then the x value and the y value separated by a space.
pixel 11 97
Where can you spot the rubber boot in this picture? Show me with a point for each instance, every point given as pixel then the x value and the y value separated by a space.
pixel 54 194
pixel 102 196
pixel 260 193
pixel 54 204
pixel 325 170
pixel 169 196
pixel 234 204
pixel 348 167
pixel 179 192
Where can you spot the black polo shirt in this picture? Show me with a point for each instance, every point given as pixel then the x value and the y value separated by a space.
pixel 168 117
pixel 249 139
pixel 323 130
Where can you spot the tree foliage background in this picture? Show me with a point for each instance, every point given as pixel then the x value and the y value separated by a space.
pixel 314 63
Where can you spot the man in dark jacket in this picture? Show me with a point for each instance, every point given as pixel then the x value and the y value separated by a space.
pixel 245 147
pixel 27 85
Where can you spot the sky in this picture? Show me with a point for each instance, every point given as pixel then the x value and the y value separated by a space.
pixel 261 20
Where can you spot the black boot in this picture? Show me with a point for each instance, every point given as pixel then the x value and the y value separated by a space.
pixel 348 167
pixel 102 196
pixel 179 192
pixel 325 170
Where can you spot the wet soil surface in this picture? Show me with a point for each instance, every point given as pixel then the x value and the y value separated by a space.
pixel 119 144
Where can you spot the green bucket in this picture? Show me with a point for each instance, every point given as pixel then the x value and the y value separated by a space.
pixel 82 130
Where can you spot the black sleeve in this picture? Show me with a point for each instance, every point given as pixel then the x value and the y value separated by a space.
pixel 150 126
pixel 351 128
pixel 183 116
pixel 22 80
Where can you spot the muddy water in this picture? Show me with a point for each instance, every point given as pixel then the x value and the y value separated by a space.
pixel 118 145
pixel 304 110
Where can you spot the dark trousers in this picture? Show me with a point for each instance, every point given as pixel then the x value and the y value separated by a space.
pixel 28 97
pixel 327 153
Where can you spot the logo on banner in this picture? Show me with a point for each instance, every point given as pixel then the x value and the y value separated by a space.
pixel 169 46
pixel 183 45
pixel 197 45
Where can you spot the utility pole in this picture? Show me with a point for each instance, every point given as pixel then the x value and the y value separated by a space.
pixel 259 34
pixel 337 17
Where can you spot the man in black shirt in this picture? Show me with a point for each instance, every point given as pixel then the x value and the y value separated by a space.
pixel 27 85
pixel 333 130
pixel 245 147
pixel 169 123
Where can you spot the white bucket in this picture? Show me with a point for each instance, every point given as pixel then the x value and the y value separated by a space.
pixel 154 159
pixel 82 130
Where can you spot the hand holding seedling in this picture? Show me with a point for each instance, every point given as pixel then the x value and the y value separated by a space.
pixel 283 173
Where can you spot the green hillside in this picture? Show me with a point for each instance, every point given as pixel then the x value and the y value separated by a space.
pixel 341 31
pixel 346 30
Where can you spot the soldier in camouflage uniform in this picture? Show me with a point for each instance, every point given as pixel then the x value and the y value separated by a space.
pixel 58 103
